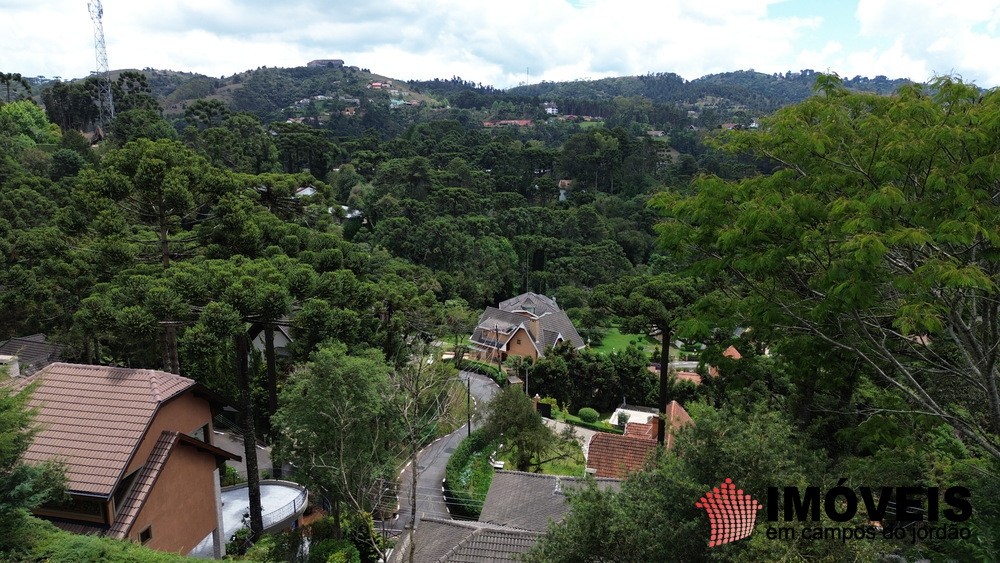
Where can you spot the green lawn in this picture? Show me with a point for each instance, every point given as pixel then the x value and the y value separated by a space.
pixel 572 465
pixel 615 340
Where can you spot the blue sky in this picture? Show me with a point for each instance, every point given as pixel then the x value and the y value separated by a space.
pixel 495 42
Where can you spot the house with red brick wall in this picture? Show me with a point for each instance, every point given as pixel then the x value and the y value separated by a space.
pixel 137 448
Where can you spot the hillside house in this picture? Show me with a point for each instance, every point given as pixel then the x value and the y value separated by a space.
pixel 616 456
pixel 137 447
pixel 525 325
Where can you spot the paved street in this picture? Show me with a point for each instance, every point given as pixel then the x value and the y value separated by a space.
pixel 433 459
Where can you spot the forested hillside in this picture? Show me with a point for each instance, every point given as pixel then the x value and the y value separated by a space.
pixel 845 244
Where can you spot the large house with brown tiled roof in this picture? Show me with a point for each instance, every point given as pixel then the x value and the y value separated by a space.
pixel 615 456
pixel 525 325
pixel 137 449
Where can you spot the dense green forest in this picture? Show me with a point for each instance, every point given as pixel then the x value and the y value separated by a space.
pixel 849 239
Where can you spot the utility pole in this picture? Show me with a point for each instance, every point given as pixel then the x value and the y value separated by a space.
pixel 105 102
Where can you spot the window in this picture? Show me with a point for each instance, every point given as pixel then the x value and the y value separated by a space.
pixel 146 535
pixel 78 508
pixel 124 488
pixel 200 434
pixel 518 340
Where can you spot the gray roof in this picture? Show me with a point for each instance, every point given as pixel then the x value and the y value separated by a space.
pixel 531 302
pixel 33 352
pixel 559 322
pixel 455 541
pixel 497 318
pixel 529 501
pixel 552 326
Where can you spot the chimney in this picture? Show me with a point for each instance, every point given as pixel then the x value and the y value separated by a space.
pixel 11 364
pixel 656 421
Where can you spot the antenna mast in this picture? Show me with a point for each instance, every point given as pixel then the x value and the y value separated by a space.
pixel 105 103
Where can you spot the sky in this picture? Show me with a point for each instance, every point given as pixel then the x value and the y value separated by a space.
pixel 510 42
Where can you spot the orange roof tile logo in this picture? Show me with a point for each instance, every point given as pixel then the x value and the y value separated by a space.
pixel 731 513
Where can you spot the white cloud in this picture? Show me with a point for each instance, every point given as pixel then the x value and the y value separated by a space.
pixel 494 42
pixel 927 37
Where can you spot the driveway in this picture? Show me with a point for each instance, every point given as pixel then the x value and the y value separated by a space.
pixel 432 460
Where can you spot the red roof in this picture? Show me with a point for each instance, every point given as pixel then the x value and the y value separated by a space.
pixel 732 353
pixel 674 412
pixel 691 376
pixel 616 456
pixel 93 418
pixel 678 417
pixel 641 430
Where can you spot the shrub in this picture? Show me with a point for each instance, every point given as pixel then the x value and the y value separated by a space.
pixel 468 475
pixel 51 544
pixel 488 370
pixel 550 401
pixel 360 531
pixel 334 551
pixel 589 415
pixel 323 529
pixel 622 419
pixel 240 542
pixel 230 476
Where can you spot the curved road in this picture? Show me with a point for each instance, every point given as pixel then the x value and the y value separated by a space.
pixel 431 461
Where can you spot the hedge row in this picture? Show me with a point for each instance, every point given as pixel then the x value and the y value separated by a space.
pixel 488 370
pixel 468 476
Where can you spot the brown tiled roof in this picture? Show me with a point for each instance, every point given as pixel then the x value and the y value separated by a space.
pixel 732 353
pixel 691 376
pixel 641 430
pixel 93 418
pixel 616 456
pixel 678 417
pixel 529 501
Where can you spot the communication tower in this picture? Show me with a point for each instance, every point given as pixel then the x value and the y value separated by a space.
pixel 105 102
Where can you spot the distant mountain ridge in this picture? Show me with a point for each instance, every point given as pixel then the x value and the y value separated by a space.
pixel 272 93
pixel 755 90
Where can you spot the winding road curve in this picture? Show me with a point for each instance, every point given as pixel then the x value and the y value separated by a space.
pixel 431 462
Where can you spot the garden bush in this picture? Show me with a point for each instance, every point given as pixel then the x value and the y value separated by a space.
pixel 334 551
pixel 588 415
pixel 488 370
pixel 468 475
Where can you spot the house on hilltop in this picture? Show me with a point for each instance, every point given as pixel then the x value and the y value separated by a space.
pixel 525 325
pixel 329 63
pixel 137 448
